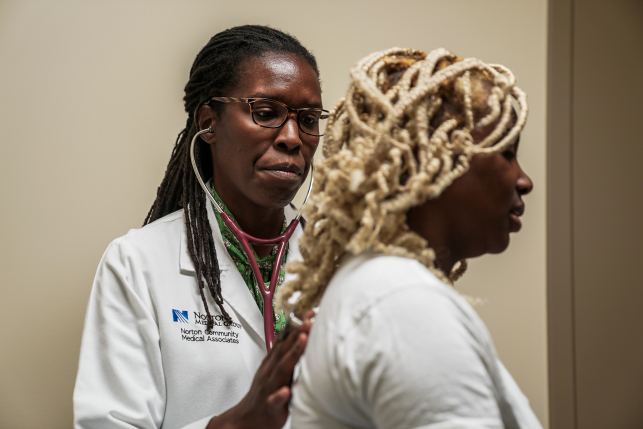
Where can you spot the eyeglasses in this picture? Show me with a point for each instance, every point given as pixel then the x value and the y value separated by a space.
pixel 273 114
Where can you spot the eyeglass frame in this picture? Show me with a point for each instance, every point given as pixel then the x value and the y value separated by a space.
pixel 251 102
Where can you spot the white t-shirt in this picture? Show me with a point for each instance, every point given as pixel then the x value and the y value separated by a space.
pixel 394 347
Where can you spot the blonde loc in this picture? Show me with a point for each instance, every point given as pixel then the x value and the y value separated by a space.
pixel 382 158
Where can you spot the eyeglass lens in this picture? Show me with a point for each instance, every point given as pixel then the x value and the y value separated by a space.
pixel 269 114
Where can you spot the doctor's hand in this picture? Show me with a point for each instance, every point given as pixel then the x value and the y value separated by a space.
pixel 266 404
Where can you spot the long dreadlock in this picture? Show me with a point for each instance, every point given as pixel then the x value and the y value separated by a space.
pixel 214 72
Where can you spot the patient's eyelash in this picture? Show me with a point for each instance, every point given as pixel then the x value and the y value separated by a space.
pixel 509 154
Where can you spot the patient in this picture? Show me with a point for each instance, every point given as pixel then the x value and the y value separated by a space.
pixel 420 173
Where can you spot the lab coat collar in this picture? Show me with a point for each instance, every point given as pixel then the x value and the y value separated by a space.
pixel 234 290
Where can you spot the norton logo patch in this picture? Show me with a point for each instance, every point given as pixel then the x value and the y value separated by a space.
pixel 180 316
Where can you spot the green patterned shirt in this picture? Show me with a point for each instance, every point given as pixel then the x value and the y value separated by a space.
pixel 243 265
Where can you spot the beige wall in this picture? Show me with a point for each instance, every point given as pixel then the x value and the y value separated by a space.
pixel 90 99
pixel 595 209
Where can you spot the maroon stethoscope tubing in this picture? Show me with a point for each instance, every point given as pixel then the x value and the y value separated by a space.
pixel 266 292
pixel 246 240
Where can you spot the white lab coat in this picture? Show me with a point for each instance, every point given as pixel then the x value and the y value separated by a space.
pixel 145 361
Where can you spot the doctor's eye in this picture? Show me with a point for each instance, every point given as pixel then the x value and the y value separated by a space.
pixel 266 113
pixel 309 119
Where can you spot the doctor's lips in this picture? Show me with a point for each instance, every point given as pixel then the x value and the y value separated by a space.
pixel 514 216
pixel 284 171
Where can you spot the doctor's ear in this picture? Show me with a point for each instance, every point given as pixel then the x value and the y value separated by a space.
pixel 207 118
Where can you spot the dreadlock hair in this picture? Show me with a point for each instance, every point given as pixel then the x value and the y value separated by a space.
pixel 400 137
pixel 216 70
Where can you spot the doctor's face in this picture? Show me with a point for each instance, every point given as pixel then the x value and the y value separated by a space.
pixel 264 167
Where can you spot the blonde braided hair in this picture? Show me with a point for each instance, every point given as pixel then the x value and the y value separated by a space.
pixel 400 137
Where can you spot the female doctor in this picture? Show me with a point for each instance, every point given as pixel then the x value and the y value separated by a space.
pixel 174 331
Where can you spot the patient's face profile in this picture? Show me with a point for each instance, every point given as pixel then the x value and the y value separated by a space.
pixel 487 202
pixel 478 211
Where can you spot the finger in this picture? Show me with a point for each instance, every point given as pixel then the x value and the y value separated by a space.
pixel 278 351
pixel 307 320
pixel 304 324
pixel 283 372
pixel 287 341
pixel 308 315
pixel 278 400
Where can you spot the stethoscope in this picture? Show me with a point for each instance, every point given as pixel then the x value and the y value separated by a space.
pixel 246 240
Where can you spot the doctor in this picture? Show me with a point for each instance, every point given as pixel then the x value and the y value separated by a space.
pixel 174 331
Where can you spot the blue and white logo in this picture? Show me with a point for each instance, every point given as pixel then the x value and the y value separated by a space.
pixel 180 316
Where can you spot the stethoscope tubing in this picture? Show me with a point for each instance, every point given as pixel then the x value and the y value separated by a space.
pixel 246 240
